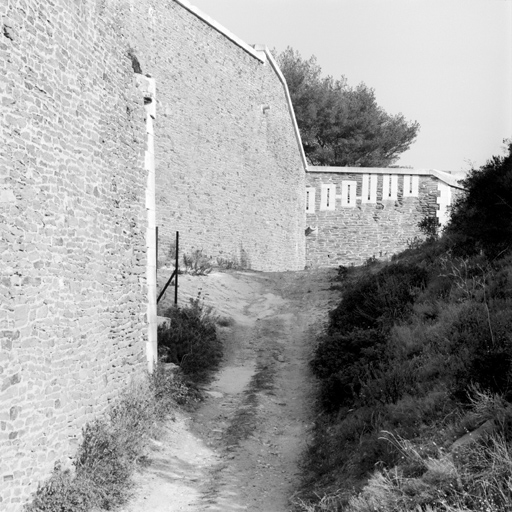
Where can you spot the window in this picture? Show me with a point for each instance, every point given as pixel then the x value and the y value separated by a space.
pixel 389 187
pixel 348 193
pixel 310 199
pixel 369 188
pixel 328 197
pixel 411 185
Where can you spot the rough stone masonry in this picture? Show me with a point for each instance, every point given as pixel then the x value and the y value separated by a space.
pixel 73 185
pixel 354 214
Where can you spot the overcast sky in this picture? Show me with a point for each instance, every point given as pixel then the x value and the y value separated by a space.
pixel 444 63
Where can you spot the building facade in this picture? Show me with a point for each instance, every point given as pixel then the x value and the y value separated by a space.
pixel 355 213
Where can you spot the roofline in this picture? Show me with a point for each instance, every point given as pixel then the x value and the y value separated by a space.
pixel 441 175
pixel 278 72
pixel 219 28
pixel 260 52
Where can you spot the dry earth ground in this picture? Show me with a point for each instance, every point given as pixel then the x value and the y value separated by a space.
pixel 240 450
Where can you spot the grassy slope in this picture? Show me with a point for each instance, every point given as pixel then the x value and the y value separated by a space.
pixel 417 354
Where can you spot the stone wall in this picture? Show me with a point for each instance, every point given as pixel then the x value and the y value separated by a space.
pixel 229 172
pixel 72 231
pixel 230 178
pixel 355 214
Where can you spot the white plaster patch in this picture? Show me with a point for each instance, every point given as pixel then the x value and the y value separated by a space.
pixel 369 188
pixel 444 200
pixel 328 197
pixel 389 187
pixel 348 194
pixel 310 200
pixel 411 186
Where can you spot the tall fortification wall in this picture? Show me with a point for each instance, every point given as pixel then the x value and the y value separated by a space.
pixel 72 231
pixel 228 166
pixel 358 213
pixel 73 186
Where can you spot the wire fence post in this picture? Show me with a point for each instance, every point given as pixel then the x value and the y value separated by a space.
pixel 174 274
pixel 176 268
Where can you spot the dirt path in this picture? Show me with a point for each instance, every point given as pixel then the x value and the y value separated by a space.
pixel 240 450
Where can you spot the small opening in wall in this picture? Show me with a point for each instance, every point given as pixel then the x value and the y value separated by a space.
pixel 307 200
pixel 135 61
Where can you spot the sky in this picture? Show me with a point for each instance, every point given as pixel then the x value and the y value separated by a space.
pixel 444 63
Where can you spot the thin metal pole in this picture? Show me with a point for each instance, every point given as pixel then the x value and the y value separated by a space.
pixel 156 246
pixel 176 268
pixel 165 287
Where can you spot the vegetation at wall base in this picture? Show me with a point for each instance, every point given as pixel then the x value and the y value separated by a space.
pixel 112 446
pixel 415 371
pixel 190 340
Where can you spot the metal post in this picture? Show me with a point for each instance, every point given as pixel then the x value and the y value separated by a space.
pixel 176 268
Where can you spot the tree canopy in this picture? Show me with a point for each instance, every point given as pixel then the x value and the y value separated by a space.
pixel 342 125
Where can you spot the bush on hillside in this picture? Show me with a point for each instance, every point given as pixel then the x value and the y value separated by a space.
pixel 377 300
pixel 190 340
pixel 480 343
pixel 343 362
pixel 481 219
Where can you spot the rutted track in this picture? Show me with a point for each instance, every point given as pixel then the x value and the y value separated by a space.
pixel 241 449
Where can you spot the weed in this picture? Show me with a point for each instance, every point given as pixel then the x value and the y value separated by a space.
pixel 377 300
pixel 371 261
pixel 197 263
pixel 228 263
pixel 191 340
pixel 429 226
pixel 110 448
pixel 342 273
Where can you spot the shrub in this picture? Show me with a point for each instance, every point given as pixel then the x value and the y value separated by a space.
pixel 429 226
pixel 197 263
pixel 343 361
pixel 109 449
pixel 191 340
pixel 481 219
pixel 476 476
pixel 481 348
pixel 377 300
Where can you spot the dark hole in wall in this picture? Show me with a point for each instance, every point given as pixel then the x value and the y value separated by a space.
pixel 8 32
pixel 135 62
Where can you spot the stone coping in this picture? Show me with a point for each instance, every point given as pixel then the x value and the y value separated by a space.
pixel 260 52
pixel 219 28
pixel 446 177
pixel 278 72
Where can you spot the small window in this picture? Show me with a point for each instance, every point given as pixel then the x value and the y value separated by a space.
pixel 310 200
pixel 389 187
pixel 369 188
pixel 411 185
pixel 328 197
pixel 348 193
